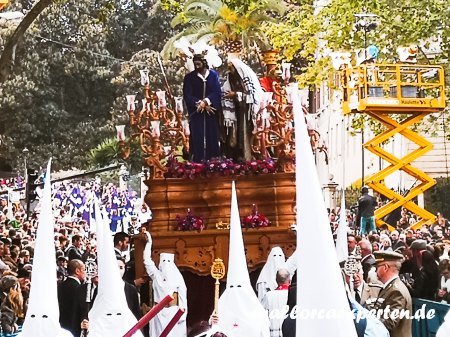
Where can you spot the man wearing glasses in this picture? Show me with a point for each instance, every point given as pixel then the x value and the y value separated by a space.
pixel 394 297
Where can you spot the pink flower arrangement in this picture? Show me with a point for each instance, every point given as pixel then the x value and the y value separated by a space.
pixel 219 166
pixel 255 220
pixel 190 222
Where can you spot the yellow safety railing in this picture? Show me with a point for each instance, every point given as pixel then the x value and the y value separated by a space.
pixel 380 90
pixel 3 3
pixel 393 87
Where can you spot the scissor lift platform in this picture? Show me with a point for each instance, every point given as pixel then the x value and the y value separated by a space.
pixel 3 3
pixel 381 91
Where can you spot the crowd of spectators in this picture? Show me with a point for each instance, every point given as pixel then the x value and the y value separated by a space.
pixel 74 236
pixel 426 268
pixel 425 271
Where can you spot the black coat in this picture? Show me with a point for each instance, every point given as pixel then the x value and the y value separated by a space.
pixel 367 263
pixel 131 295
pixel 74 253
pixel 289 326
pixel 366 206
pixel 69 298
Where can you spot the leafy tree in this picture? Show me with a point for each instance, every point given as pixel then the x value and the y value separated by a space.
pixel 226 22
pixel 60 97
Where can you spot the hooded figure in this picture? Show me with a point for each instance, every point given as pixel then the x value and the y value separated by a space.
pixel 110 315
pixel 320 270
pixel 167 280
pixel 444 329
pixel 42 318
pixel 267 278
pixel 240 312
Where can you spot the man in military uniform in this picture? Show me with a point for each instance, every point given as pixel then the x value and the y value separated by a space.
pixel 393 297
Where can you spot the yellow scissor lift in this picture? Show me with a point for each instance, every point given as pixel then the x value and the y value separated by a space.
pixel 410 92
pixel 3 3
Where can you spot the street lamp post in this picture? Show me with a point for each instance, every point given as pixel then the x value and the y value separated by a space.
pixel 365 22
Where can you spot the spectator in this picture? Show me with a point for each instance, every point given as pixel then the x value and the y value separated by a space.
pixel 121 244
pixel 12 305
pixel 443 291
pixel 74 251
pixel 367 258
pixel 366 209
pixel 430 272
pixel 68 297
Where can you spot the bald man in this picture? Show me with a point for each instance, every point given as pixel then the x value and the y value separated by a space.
pixel 275 301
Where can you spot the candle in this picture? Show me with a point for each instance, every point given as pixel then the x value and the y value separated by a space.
pixel 131 105
pixel 149 315
pixel 144 77
pixel 172 323
pixel 286 71
pixel 155 128
pixel 120 132
pixel 179 104
pixel 161 98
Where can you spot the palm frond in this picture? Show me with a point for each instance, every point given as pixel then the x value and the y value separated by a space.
pixel 209 6
pixel 191 33
pixel 104 154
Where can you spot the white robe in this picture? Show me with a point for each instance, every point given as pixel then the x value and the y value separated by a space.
pixel 444 329
pixel 275 302
pixel 163 286
pixel 267 278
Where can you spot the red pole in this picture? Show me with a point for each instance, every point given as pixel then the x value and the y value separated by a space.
pixel 172 323
pixel 149 315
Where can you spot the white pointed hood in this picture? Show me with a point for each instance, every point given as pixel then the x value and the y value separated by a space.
pixel 171 275
pixel 275 261
pixel 444 329
pixel 42 318
pixel 341 240
pixel 318 266
pixel 240 312
pixel 110 315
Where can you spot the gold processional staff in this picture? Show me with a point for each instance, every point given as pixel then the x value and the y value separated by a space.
pixel 217 272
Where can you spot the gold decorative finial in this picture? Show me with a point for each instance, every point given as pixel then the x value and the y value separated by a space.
pixel 217 272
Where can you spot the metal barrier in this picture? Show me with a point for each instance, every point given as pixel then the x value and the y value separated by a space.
pixel 429 326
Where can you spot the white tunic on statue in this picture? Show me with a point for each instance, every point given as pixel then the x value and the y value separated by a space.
pixel 167 280
pixel 275 302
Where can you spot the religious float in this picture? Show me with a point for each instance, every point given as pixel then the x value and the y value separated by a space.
pixel 190 201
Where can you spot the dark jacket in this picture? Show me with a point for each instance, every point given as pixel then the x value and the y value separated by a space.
pixel 7 317
pixel 411 275
pixel 431 282
pixel 367 263
pixel 74 253
pixel 366 206
pixel 68 298
pixel 131 295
